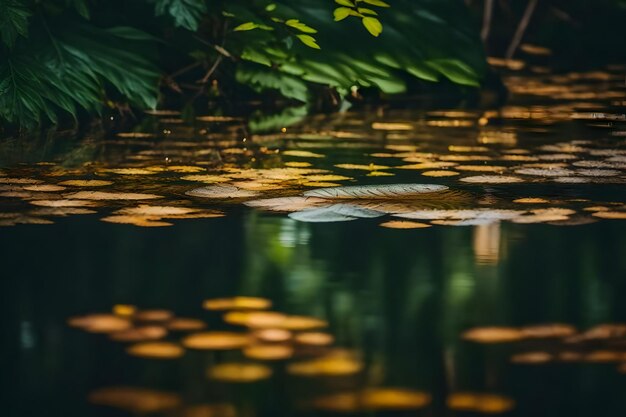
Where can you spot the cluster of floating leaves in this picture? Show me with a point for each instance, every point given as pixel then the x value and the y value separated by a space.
pixel 261 341
pixel 190 170
pixel 558 343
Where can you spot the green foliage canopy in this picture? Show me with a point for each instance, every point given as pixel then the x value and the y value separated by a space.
pixel 68 57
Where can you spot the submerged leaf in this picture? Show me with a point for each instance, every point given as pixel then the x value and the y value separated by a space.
pixel 334 213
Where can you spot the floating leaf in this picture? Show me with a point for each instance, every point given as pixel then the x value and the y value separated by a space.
pixel 237 303
pixel 135 400
pixel 383 191
pixel 101 195
pixel 268 352
pixel 156 350
pixel 239 372
pixel 216 341
pixel 139 334
pixel 400 224
pixel 480 403
pixel 221 192
pixel 493 335
pixel 492 179
pixel 287 204
pixel 86 183
pixel 303 154
pixel 440 173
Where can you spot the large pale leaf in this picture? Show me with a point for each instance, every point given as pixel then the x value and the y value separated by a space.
pixel 383 191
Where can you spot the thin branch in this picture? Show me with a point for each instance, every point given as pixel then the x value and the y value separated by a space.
pixel 185 69
pixel 521 28
pixel 211 70
pixel 218 48
pixel 487 16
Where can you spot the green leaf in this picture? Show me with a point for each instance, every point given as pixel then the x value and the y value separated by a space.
pixel 295 23
pixel 346 3
pixel 262 79
pixel 373 25
pixel 378 3
pixel 70 68
pixel 254 55
pixel 270 7
pixel 341 13
pixel 13 21
pixel 186 13
pixel 456 71
pixel 370 12
pixel 246 26
pixel 308 41
pixel 80 6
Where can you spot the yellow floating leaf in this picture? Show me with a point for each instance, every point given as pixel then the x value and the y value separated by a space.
pixel 272 335
pixel 156 350
pixel 128 171
pixel 153 315
pixel 427 165
pixel 139 334
pixel 64 203
pixel 531 200
pixel 268 352
pixel 612 215
pixel 400 224
pixel 141 221
pixel 294 164
pixel 101 195
pixel 44 188
pixel 482 403
pixel 332 365
pixel 100 323
pixel 493 335
pixel 327 178
pixel 135 400
pixel 480 168
pixel 86 183
pixel 302 154
pixel 380 174
pixel 216 341
pixel 370 167
pixel 181 324
pixel 314 339
pixel 440 173
pixel 391 126
pixel 237 303
pixel 532 358
pixel 209 179
pixel 239 372
pixel 320 184
pixel 185 168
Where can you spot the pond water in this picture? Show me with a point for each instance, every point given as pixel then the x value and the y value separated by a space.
pixel 434 262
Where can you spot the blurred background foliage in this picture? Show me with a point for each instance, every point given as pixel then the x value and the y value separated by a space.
pixel 64 60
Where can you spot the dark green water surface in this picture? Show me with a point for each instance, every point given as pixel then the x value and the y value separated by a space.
pixel 545 246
